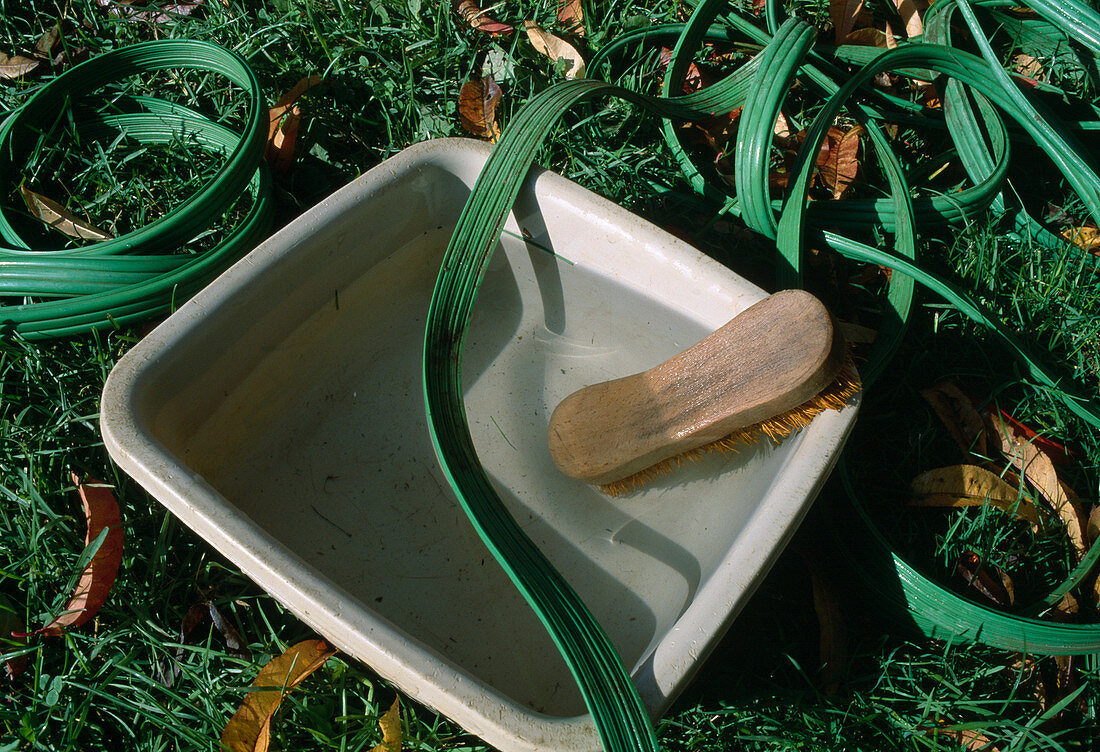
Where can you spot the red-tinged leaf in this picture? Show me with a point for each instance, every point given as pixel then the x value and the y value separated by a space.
pixel 477 106
pixel 556 49
pixel 17 66
pixel 958 414
pixel 1037 467
pixel 693 79
pixel 1059 453
pixel 841 166
pixel 843 14
pixel 283 110
pixel 390 723
pixel 59 218
pixel 571 16
pixel 909 13
pixel 995 585
pixel 12 639
pixel 101 510
pixel 472 14
pixel 249 730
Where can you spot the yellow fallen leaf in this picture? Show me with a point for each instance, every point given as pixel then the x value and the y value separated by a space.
pixel 249 730
pixel 555 48
pixel 60 218
pixel 970 485
pixel 390 723
pixel 1085 237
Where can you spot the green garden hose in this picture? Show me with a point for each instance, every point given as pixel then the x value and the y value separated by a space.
pixel 142 273
pixel 979 96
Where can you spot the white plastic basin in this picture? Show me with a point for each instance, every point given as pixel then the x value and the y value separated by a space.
pixel 279 414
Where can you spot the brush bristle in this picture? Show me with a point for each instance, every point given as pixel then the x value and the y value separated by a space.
pixel 838 393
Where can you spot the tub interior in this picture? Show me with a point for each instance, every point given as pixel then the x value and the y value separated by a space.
pixel 308 419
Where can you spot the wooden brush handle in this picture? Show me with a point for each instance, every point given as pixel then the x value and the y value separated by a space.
pixel 769 359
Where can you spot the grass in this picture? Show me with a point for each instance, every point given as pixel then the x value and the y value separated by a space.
pixel 393 70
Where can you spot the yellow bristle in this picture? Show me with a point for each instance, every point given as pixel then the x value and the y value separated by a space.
pixel 834 396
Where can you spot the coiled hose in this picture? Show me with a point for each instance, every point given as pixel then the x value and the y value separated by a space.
pixel 143 273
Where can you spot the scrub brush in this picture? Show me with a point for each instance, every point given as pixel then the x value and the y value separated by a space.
pixel 767 372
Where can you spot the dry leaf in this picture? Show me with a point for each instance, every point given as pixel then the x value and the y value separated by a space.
pixel 782 127
pixel 970 485
pixel 47 42
pixel 1037 467
pixel 229 633
pixel 1093 526
pixel 390 723
pixel 1086 237
pixel 477 105
pixel 867 37
pixel 249 730
pixel 555 48
pixel 832 628
pixel 280 152
pixel 60 218
pixel 843 14
pixel 958 414
pixel 280 149
pixel 472 13
pixel 12 638
pixel 163 13
pixel 16 66
pixel 1028 66
pixel 841 164
pixel 995 585
pixel 972 739
pixel 571 16
pixel 101 510
pixel 907 9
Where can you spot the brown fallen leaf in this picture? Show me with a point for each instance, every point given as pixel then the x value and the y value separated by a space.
pixel 555 48
pixel 249 730
pixel 867 37
pixel 832 629
pixel 843 14
pixel 390 723
pixel 17 66
pixel 958 414
pixel 1037 467
pixel 280 149
pixel 971 739
pixel 1028 66
pixel 910 14
pixel 996 585
pixel 477 105
pixel 472 14
pixel 571 16
pixel 841 164
pixel 1093 526
pixel 1085 237
pixel 59 218
pixel 101 510
pixel 12 639
pixel 970 485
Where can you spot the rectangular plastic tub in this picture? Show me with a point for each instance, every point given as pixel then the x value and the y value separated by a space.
pixel 279 414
